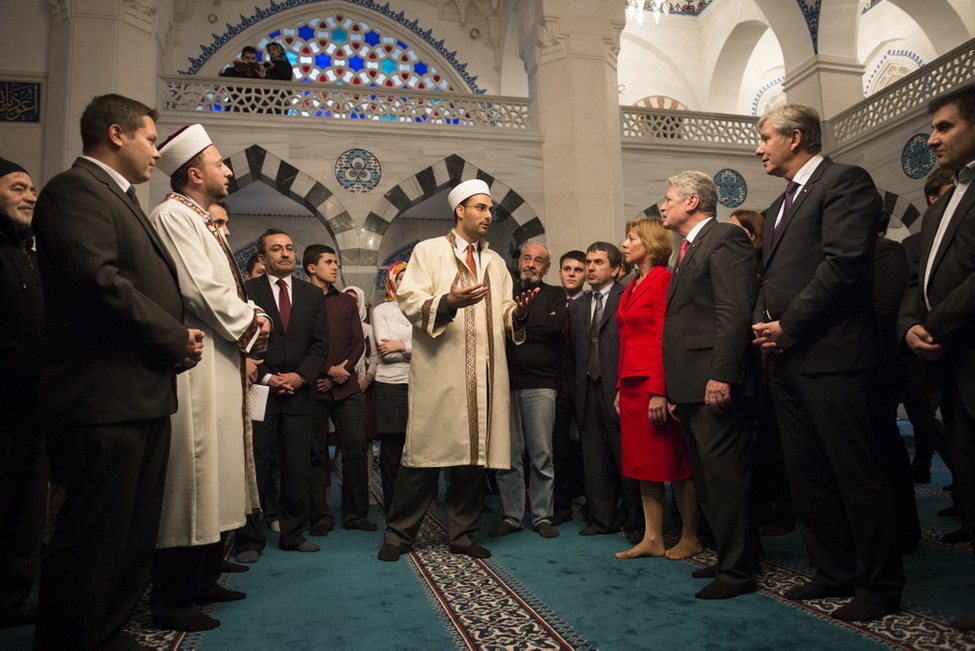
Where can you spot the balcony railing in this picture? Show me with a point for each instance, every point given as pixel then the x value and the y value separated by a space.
pixel 316 100
pixel 941 75
pixel 714 128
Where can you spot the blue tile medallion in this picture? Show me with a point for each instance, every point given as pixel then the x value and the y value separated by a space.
pixel 732 189
pixel 357 170
pixel 917 159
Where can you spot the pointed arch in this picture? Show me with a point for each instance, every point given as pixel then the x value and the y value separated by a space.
pixel 513 210
pixel 257 165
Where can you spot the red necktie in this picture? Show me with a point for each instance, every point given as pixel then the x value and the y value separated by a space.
pixel 470 260
pixel 683 249
pixel 284 304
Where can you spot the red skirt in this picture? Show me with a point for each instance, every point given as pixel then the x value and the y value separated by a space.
pixel 650 452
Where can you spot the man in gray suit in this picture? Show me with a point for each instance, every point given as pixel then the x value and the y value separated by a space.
pixel 706 339
pixel 815 320
pixel 936 320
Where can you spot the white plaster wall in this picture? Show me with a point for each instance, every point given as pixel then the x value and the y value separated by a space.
pixel 887 27
pixel 664 60
pixel 764 67
pixel 25 36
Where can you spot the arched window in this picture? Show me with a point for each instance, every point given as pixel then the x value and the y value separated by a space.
pixel 345 50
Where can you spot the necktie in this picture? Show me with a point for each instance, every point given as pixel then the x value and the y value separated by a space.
pixel 565 326
pixel 592 368
pixel 790 191
pixel 686 244
pixel 284 304
pixel 132 196
pixel 471 264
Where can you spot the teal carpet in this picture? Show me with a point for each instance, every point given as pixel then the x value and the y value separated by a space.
pixel 561 593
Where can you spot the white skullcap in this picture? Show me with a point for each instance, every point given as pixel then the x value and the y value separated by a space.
pixel 465 190
pixel 182 146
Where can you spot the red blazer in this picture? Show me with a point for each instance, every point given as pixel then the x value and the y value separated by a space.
pixel 640 318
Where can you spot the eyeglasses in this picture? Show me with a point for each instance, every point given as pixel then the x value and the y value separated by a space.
pixel 481 207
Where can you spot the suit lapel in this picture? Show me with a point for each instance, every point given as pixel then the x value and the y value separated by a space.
pixel 262 294
pixel 797 201
pixel 103 177
pixel 688 255
pixel 961 210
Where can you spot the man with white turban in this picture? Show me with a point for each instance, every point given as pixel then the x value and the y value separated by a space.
pixel 457 294
pixel 210 480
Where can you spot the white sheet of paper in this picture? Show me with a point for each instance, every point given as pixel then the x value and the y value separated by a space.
pixel 258 397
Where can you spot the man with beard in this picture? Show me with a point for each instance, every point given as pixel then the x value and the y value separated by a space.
pixel 23 469
pixel 457 294
pixel 533 378
pixel 210 480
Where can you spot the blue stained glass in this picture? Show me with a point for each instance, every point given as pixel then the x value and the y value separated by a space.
pixel 358 50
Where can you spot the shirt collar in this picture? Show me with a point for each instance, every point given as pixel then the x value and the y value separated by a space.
pixel 274 280
pixel 122 182
pixel 697 229
pixel 806 171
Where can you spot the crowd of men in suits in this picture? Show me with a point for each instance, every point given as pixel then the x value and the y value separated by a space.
pixel 130 343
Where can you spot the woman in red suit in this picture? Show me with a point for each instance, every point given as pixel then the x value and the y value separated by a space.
pixel 652 447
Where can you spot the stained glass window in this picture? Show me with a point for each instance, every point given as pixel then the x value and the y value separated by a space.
pixel 343 50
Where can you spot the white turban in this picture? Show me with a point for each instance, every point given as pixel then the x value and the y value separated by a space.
pixel 465 190
pixel 181 147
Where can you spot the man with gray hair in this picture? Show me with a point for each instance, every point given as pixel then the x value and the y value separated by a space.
pixel 533 377
pixel 706 336
pixel 814 320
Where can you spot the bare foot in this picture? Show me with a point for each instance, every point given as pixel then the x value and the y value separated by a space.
pixel 684 549
pixel 644 549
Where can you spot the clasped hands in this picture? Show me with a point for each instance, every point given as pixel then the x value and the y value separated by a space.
pixel 285 383
pixel 193 352
pixel 771 337
pixel 919 340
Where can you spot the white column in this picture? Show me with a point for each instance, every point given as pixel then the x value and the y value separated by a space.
pixel 97 47
pixel 570 50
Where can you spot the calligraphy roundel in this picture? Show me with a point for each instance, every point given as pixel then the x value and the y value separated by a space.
pixel 917 159
pixel 732 188
pixel 357 170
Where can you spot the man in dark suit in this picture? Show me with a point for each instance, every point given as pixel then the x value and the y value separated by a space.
pixel 815 320
pixel 594 349
pixel 114 341
pixel 295 354
pixel 936 320
pixel 706 337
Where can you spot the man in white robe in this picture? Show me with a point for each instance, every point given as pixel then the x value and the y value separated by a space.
pixel 457 293
pixel 210 481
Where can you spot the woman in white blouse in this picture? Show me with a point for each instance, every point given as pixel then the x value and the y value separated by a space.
pixel 394 337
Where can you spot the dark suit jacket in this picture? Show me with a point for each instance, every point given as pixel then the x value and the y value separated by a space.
pixel 951 289
pixel 707 330
pixel 609 348
pixel 112 304
pixel 817 276
pixel 302 349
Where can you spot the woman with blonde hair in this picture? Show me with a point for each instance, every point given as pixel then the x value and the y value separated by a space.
pixel 652 448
